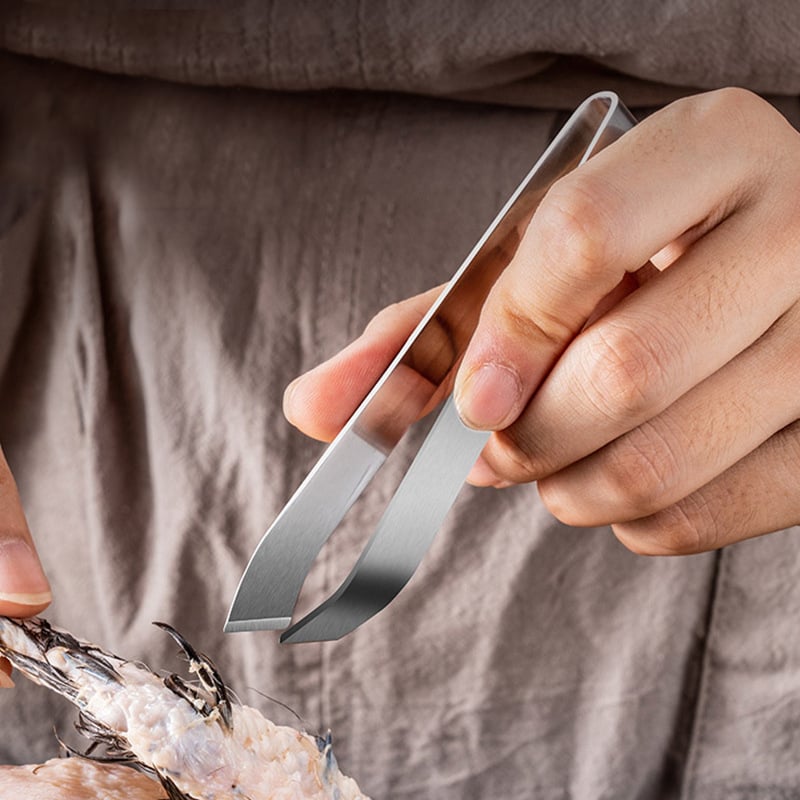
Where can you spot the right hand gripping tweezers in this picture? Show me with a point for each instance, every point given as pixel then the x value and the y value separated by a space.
pixel 419 379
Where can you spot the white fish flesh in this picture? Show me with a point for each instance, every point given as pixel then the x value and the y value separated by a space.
pixel 191 735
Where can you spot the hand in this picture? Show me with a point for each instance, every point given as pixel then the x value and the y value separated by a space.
pixel 24 589
pixel 662 400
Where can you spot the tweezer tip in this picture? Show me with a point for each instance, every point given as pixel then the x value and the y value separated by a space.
pixel 262 624
pixel 297 637
pixel 317 627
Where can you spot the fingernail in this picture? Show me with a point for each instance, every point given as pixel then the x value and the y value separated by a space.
pixel 288 394
pixel 289 390
pixel 6 681
pixel 489 398
pixel 22 579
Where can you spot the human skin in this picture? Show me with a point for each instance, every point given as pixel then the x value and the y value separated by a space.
pixel 77 779
pixel 24 588
pixel 638 357
pixel 662 403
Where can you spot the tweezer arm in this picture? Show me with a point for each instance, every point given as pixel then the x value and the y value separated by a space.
pixel 418 379
pixel 271 583
pixel 404 533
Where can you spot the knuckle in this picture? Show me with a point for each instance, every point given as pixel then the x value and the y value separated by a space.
pixel 733 104
pixel 625 371
pixel 573 224
pixel 519 320
pixel 680 531
pixel 730 108
pixel 737 114
pixel 757 128
pixel 789 438
pixel 510 461
pixel 561 504
pixel 690 526
pixel 641 471
pixel 385 317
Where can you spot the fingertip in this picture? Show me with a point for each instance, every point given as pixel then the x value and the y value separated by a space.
pixel 482 475
pixel 320 402
pixel 24 605
pixel 288 404
pixel 23 583
pixel 312 403
pixel 6 681
pixel 489 397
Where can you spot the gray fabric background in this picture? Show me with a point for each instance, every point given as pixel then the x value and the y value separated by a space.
pixel 173 252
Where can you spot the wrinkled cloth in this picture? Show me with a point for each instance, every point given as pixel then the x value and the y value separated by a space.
pixel 180 236
pixel 465 48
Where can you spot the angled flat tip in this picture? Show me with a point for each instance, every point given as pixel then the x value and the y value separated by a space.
pixel 298 637
pixel 332 619
pixel 262 624
pixel 254 610
pixel 303 633
pixel 271 582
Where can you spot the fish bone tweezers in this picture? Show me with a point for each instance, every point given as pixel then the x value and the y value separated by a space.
pixel 418 380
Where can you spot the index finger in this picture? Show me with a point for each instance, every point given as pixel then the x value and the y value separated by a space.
pixel 593 227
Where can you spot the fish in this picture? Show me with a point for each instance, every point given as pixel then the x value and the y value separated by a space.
pixel 192 735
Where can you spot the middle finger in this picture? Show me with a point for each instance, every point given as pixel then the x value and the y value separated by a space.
pixel 700 436
pixel 663 339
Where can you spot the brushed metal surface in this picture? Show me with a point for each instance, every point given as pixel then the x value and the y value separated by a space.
pixel 404 533
pixel 419 379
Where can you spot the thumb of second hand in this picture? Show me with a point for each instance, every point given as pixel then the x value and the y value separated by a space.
pixel 24 588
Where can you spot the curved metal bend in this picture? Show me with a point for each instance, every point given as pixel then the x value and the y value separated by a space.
pixel 416 381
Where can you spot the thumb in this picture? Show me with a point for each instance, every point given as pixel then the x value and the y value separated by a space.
pixel 24 588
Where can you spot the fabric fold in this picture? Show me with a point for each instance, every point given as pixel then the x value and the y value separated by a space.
pixel 469 49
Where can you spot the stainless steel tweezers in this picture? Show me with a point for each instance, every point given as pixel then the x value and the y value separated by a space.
pixel 418 381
